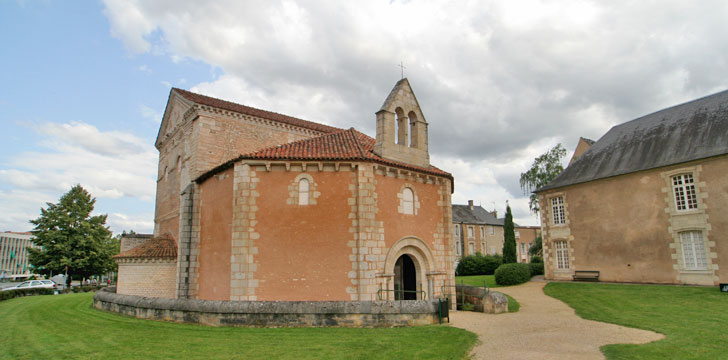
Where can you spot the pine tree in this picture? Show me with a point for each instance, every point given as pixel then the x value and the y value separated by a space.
pixel 509 238
pixel 70 239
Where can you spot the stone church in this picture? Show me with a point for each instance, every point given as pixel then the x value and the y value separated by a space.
pixel 256 205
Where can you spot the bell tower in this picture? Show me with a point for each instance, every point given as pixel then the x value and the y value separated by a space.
pixel 401 128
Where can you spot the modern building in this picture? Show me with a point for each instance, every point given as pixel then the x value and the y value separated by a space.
pixel 255 205
pixel 647 202
pixel 14 253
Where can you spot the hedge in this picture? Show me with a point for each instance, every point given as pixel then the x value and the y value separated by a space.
pixel 478 265
pixel 6 295
pixel 9 294
pixel 536 269
pixel 512 274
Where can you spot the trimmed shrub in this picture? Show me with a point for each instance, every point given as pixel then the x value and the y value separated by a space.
pixel 5 295
pixel 478 265
pixel 512 274
pixel 536 259
pixel 536 268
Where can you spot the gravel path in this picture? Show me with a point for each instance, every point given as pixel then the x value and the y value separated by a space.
pixel 544 328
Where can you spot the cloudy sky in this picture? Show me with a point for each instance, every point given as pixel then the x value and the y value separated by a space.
pixel 84 84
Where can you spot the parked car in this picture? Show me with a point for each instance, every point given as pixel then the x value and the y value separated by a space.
pixel 33 284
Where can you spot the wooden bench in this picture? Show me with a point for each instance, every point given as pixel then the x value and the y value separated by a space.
pixel 586 275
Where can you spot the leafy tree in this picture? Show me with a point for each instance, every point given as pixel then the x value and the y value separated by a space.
pixel 544 169
pixel 509 238
pixel 71 239
pixel 537 247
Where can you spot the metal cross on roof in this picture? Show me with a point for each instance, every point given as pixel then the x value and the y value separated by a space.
pixel 402 67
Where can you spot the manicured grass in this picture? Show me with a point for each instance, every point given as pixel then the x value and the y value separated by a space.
pixel 693 319
pixel 67 327
pixel 477 280
pixel 513 304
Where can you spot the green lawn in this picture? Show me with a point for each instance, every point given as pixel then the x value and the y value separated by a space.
pixel 67 327
pixel 693 319
pixel 477 280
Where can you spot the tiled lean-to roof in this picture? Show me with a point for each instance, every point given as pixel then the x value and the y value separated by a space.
pixel 694 130
pixel 158 247
pixel 247 110
pixel 346 145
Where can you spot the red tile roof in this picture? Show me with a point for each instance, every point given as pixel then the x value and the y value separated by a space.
pixel 158 247
pixel 247 110
pixel 342 145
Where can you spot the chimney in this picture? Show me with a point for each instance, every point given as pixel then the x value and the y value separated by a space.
pixel 470 204
pixel 495 213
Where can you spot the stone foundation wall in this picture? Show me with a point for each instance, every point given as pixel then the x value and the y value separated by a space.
pixel 271 313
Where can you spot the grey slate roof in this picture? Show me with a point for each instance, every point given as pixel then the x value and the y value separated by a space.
pixel 694 130
pixel 478 215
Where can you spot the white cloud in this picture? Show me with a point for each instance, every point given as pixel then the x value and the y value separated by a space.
pixel 499 82
pixel 111 165
pixel 140 223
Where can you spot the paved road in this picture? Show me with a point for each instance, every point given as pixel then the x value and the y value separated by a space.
pixel 544 328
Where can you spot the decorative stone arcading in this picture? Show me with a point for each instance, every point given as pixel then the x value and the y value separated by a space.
pixel 244 236
pixel 690 220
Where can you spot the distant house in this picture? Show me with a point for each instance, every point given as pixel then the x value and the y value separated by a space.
pixel 647 202
pixel 476 230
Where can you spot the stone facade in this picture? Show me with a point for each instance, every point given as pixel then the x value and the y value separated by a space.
pixel 150 278
pixel 638 210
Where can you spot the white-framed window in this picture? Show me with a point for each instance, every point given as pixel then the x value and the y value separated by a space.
pixel 457 246
pixel 303 192
pixel 693 250
pixel 492 250
pixel 683 187
pixel 482 232
pixel 562 254
pixel 471 248
pixel 470 232
pixel 518 234
pixel 457 231
pixel 482 247
pixel 523 248
pixel 492 230
pixel 557 210
pixel 408 201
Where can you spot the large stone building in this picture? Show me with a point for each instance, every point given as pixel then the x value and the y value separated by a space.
pixel 255 205
pixel 647 202
pixel 476 230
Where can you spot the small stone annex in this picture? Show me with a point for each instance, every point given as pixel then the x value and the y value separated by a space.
pixel 647 202
pixel 253 205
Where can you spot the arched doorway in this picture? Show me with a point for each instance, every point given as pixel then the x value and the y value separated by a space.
pixel 405 279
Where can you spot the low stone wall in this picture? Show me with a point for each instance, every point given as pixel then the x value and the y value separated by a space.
pixel 491 302
pixel 271 313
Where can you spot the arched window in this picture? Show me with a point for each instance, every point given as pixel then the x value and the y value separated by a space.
pixel 401 127
pixel 414 141
pixel 408 201
pixel 303 192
